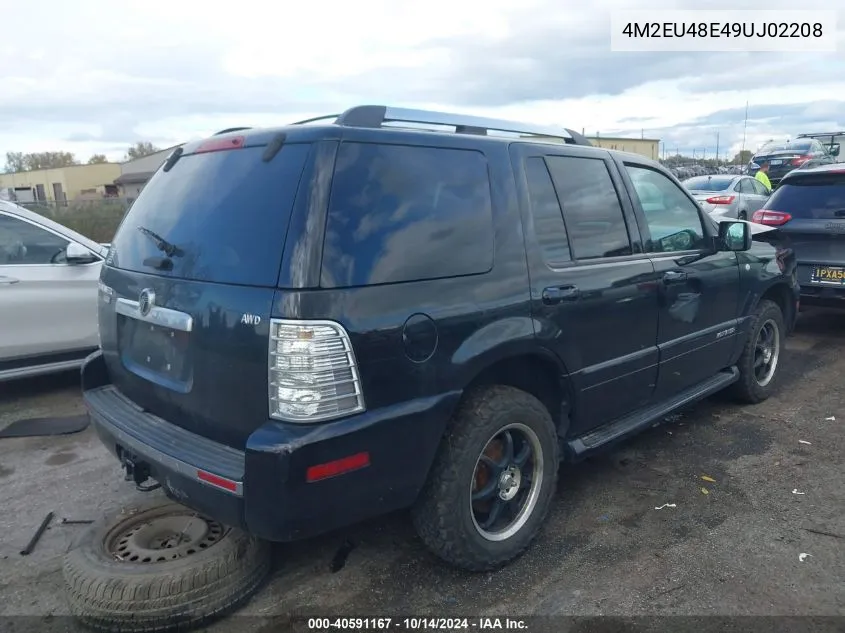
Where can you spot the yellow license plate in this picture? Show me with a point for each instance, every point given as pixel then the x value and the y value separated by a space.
pixel 829 275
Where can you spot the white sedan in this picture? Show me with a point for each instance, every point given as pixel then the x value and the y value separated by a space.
pixel 48 294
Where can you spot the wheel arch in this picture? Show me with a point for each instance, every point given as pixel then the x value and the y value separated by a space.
pixel 535 370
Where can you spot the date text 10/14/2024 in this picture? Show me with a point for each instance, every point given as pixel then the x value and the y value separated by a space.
pixel 417 624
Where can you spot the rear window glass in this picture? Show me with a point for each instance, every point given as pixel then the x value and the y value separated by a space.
pixel 404 213
pixel 227 213
pixel 817 198
pixel 800 146
pixel 708 183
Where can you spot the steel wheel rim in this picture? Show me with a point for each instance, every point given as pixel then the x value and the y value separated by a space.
pixel 163 538
pixel 512 483
pixel 766 352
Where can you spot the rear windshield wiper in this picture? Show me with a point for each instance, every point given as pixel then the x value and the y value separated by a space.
pixel 171 250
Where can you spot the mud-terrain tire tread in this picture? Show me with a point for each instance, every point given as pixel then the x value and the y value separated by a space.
pixel 109 595
pixel 747 390
pixel 437 515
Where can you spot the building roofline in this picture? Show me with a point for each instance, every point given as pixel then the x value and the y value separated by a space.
pixel 161 151
pixel 622 138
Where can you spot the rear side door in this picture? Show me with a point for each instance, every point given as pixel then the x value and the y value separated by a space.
pixel 758 198
pixel 699 287
pixel 749 198
pixel 811 210
pixel 592 292
pixel 47 306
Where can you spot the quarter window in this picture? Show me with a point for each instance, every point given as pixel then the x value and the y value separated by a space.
pixel 404 213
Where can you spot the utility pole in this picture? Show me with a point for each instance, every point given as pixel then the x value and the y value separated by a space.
pixel 717 147
pixel 744 128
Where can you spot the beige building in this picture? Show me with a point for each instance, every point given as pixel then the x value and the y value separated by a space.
pixel 62 184
pixel 134 174
pixel 648 147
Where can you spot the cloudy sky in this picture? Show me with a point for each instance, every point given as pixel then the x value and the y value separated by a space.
pixel 93 76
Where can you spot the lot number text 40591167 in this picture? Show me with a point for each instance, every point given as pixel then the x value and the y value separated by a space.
pixel 417 624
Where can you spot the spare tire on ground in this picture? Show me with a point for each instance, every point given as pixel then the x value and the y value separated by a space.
pixel 161 567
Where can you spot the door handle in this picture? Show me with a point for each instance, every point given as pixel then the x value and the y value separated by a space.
pixel 8 281
pixel 557 294
pixel 674 277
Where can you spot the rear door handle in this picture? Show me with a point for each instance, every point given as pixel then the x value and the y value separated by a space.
pixel 8 281
pixel 557 294
pixel 674 277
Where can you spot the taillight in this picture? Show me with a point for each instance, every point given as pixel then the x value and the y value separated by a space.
pixel 221 144
pixel 770 218
pixel 800 160
pixel 313 374
pixel 720 199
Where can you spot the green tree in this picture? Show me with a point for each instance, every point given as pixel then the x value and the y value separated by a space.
pixel 98 159
pixel 14 162
pixel 18 161
pixel 141 149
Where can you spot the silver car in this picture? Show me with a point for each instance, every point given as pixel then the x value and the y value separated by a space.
pixel 728 196
pixel 48 294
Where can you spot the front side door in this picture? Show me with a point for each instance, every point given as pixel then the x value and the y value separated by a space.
pixel 592 292
pixel 699 286
pixel 47 306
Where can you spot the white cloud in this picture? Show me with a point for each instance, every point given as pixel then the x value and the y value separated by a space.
pixel 97 75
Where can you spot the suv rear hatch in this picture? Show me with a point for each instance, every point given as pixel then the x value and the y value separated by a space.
pixel 810 209
pixel 189 284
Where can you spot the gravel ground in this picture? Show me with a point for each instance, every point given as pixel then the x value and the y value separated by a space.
pixel 728 548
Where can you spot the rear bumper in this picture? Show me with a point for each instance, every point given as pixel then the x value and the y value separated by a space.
pixel 263 489
pixel 821 295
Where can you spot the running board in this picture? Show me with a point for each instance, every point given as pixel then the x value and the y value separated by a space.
pixel 641 419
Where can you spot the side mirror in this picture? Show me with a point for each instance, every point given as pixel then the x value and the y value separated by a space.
pixel 734 236
pixel 78 254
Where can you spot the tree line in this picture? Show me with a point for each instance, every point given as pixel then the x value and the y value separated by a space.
pixel 21 161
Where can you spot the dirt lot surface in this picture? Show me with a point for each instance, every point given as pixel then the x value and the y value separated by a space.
pixel 728 547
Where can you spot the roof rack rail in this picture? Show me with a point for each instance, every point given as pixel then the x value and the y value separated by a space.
pixel 376 116
pixel 813 134
pixel 230 129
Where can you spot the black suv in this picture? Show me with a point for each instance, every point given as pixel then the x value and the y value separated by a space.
pixel 308 326
pixel 809 210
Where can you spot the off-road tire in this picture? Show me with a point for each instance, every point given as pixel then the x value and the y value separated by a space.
pixel 443 515
pixel 747 389
pixel 112 595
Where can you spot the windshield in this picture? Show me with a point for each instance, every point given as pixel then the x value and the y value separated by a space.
pixel 225 214
pixel 816 198
pixel 708 183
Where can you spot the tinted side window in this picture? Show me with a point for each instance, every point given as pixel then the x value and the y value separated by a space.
pixel 402 213
pixel 673 219
pixel 549 228
pixel 25 243
pixel 591 208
